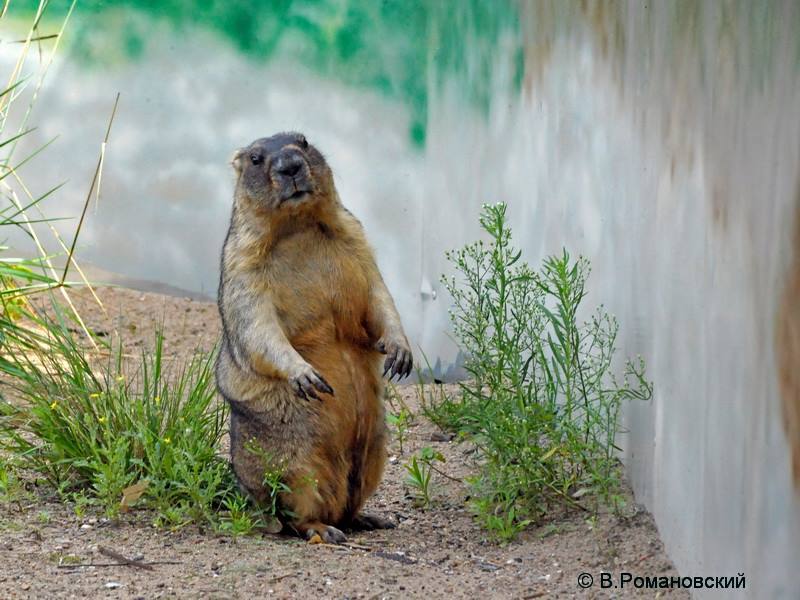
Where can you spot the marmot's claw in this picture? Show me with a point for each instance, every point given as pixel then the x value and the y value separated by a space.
pixel 399 363
pixel 298 390
pixel 397 366
pixel 408 364
pixel 306 386
pixel 390 362
pixel 322 385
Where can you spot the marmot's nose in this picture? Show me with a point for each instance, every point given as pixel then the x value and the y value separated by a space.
pixel 288 164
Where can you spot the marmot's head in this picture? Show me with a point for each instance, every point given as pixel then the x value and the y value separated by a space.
pixel 282 171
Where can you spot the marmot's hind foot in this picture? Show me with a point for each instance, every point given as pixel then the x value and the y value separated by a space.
pixel 328 533
pixel 367 522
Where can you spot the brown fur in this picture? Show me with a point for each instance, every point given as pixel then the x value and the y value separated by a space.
pixel 304 310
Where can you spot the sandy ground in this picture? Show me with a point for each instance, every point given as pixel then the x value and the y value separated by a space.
pixel 436 553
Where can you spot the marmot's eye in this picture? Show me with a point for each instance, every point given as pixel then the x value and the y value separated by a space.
pixel 256 159
pixel 301 139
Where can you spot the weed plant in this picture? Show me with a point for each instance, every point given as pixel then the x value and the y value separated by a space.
pixel 542 403
pixel 95 428
pixel 399 416
pixel 420 470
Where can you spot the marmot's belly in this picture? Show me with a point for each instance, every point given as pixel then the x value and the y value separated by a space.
pixel 269 414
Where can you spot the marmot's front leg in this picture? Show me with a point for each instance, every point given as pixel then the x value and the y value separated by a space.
pixel 258 343
pixel 385 323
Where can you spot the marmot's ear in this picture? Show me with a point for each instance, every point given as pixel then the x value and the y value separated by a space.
pixel 236 160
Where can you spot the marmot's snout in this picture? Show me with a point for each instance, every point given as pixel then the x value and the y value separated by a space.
pixel 291 174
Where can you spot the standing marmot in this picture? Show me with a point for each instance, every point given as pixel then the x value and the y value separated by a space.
pixel 305 316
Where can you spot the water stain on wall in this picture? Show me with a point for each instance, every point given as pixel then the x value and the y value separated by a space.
pixel 788 347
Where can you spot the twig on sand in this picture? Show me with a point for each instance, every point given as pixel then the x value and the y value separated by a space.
pixel 333 546
pixel 284 576
pixel 344 546
pixel 124 560
pixel 358 546
pixel 146 566
pixel 443 474
pixel 396 556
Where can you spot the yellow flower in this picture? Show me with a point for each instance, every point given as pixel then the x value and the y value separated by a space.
pixel 167 440
pixel 95 395
pixel 121 378
pixel 157 400
pixel 101 419
pixel 54 405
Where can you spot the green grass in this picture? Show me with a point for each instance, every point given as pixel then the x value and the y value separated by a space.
pixel 542 402
pixel 93 427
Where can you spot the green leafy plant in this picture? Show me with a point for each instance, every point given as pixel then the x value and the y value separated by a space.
pixel 436 403
pixel 542 402
pixel 12 488
pixel 105 425
pixel 400 416
pixel 239 517
pixel 420 470
pixel 274 484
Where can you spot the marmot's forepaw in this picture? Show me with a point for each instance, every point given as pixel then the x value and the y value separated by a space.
pixel 399 360
pixel 308 382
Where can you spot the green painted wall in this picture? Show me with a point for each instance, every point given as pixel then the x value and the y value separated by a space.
pixel 397 47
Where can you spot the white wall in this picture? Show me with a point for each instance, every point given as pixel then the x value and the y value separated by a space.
pixel 673 163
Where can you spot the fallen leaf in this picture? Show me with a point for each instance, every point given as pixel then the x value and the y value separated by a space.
pixel 131 494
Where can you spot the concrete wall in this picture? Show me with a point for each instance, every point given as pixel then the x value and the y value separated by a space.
pixel 662 141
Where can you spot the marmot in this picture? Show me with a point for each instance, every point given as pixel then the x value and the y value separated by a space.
pixel 306 316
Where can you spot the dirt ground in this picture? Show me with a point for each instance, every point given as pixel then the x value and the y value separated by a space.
pixel 48 552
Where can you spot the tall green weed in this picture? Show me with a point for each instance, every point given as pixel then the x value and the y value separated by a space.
pixel 542 402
